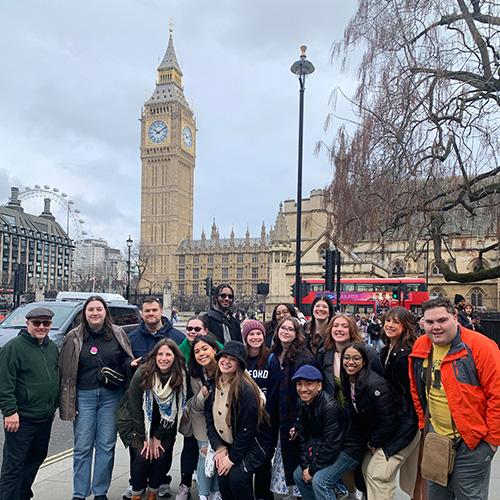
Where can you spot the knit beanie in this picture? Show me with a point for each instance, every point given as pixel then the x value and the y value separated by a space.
pixel 458 298
pixel 252 324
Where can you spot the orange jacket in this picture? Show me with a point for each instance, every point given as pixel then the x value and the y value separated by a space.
pixel 470 374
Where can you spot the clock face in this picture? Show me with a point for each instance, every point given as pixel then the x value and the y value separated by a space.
pixel 187 137
pixel 158 131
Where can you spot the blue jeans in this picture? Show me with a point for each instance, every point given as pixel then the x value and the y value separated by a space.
pixel 323 481
pixel 94 429
pixel 205 484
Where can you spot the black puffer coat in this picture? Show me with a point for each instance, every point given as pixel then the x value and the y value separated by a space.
pixel 374 417
pixel 396 373
pixel 320 429
pixel 216 322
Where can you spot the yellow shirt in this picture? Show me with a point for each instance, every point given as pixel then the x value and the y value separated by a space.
pixel 439 410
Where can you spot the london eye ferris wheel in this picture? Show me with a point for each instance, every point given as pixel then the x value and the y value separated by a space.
pixel 63 208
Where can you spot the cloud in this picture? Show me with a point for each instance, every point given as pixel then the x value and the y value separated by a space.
pixel 75 76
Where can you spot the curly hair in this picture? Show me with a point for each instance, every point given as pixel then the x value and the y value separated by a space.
pixel 177 370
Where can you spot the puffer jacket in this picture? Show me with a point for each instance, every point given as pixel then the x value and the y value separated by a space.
pixel 396 373
pixel 470 374
pixel 253 445
pixel 68 367
pixel 374 417
pixel 324 358
pixel 320 430
pixel 143 341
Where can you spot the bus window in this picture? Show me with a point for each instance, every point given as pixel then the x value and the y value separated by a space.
pixel 365 287
pixel 348 287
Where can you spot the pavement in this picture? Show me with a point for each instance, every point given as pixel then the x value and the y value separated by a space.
pixel 55 478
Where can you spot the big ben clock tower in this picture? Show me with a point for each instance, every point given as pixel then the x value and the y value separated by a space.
pixel 168 133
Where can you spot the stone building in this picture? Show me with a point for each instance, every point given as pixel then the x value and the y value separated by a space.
pixel 35 242
pixel 243 262
pixel 367 258
pixel 168 142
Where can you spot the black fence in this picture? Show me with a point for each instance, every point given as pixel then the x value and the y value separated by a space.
pixel 490 324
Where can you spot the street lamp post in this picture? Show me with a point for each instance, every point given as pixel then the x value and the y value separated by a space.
pixel 301 68
pixel 129 245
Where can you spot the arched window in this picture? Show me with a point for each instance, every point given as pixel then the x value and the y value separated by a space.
pixel 477 296
pixel 478 265
pixel 435 270
pixel 398 269
pixel 437 292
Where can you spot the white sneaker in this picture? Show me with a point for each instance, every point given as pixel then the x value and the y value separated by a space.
pixel 184 492
pixel 127 493
pixel 164 490
pixel 203 497
pixel 215 495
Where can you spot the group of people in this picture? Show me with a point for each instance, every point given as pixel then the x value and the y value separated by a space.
pixel 298 410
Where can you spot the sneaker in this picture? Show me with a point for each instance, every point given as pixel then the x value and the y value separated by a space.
pixel 127 493
pixel 164 490
pixel 100 497
pixel 184 492
pixel 215 495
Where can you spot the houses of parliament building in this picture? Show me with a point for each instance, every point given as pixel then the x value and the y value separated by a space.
pixel 168 157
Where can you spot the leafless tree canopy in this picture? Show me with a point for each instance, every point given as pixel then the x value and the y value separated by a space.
pixel 428 103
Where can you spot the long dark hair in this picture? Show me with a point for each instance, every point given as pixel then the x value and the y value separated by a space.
pixel 150 368
pixel 406 318
pixel 195 369
pixel 362 374
pixel 242 377
pixel 312 327
pixel 297 345
pixel 271 325
pixel 108 323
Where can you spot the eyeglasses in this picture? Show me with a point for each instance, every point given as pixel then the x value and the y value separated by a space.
pixel 356 359
pixel 289 329
pixel 38 322
pixel 226 296
pixel 196 329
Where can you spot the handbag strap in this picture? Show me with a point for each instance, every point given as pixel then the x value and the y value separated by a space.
pixel 428 376
pixel 428 380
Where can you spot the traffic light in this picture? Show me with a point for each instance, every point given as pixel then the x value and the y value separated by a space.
pixel 305 289
pixel 292 289
pixel 395 293
pixel 208 286
pixel 329 267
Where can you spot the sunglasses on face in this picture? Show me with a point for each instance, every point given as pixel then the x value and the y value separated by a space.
pixel 38 322
pixel 226 296
pixel 196 329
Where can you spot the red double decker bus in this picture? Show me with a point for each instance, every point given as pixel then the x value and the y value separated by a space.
pixel 369 295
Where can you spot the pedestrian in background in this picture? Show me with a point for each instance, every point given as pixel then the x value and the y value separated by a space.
pixel 90 399
pixel 150 415
pixel 29 391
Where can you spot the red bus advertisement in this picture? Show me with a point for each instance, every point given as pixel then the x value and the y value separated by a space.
pixel 369 295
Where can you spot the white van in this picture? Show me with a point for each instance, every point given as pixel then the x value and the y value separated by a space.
pixel 83 296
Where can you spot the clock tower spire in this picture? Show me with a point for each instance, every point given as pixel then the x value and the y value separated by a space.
pixel 168 132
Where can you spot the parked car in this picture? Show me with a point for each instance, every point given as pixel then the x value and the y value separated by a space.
pixel 66 317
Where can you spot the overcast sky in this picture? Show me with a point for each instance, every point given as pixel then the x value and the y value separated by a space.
pixel 75 75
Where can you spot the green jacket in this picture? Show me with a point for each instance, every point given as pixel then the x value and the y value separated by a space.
pixel 185 347
pixel 29 377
